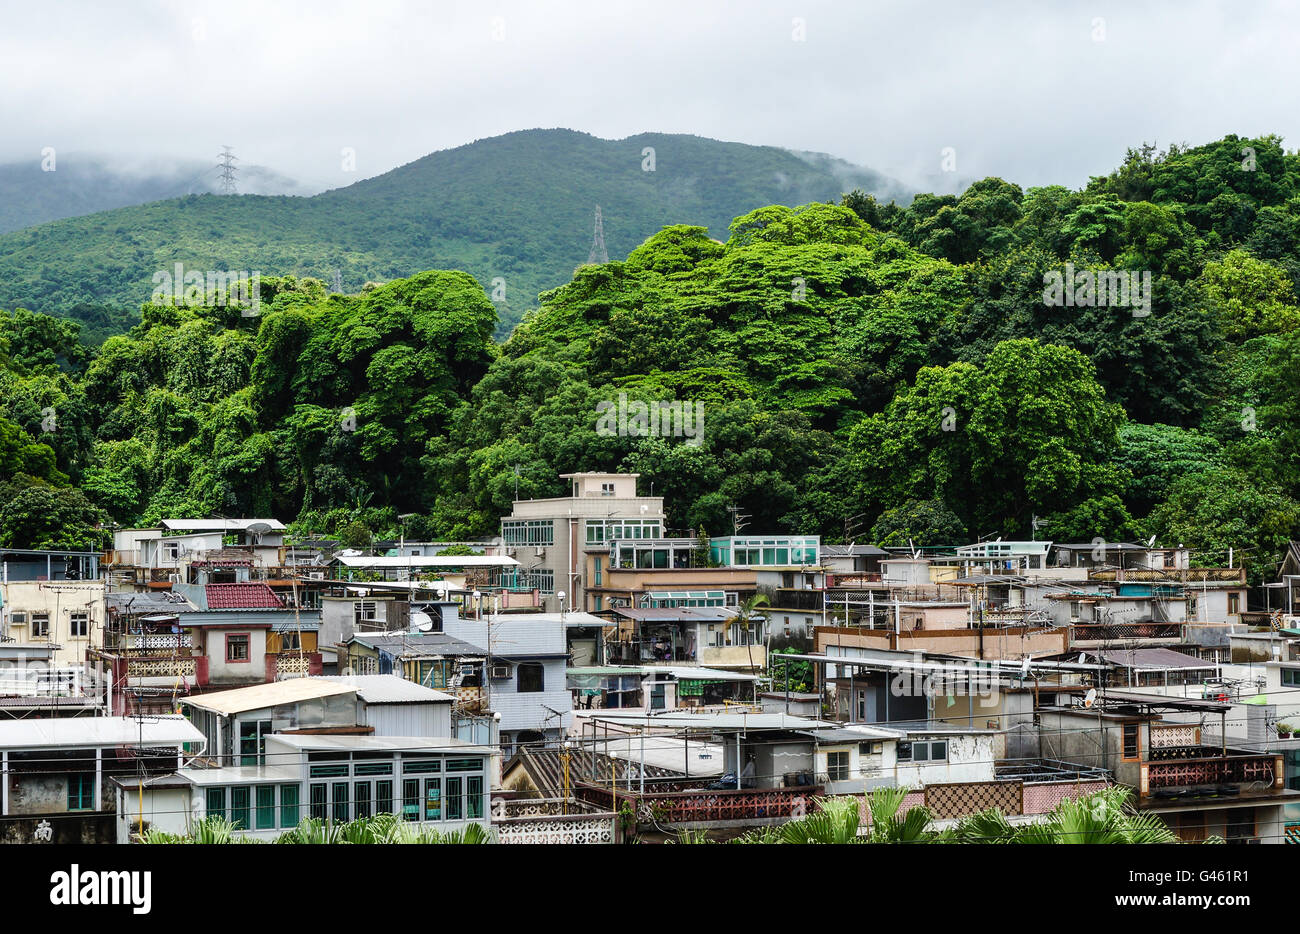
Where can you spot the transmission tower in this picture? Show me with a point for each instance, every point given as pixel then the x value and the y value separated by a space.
pixel 338 282
pixel 227 166
pixel 598 252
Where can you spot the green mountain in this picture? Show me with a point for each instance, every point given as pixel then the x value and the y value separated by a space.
pixel 519 207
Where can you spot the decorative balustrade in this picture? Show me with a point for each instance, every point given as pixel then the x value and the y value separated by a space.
pixel 1222 770
pixel 739 806
pixel 1119 632
pixel 160 668
pixel 1183 734
pixel 552 820
pixel 151 642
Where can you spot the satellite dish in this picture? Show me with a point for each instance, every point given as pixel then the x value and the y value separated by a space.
pixel 1083 658
pixel 1151 542
pixel 1024 668
pixel 1090 698
pixel 258 528
pixel 421 621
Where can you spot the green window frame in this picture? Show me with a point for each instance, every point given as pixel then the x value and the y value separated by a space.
pixel 340 802
pixel 455 801
pixel 474 797
pixel 433 799
pixel 384 797
pixel 320 795
pixel 289 805
pixel 241 805
pixel 265 807
pixel 81 791
pixel 216 802
pixel 361 799
pixel 411 799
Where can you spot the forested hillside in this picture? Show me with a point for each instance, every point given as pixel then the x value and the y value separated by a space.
pixel 860 362
pixel 518 208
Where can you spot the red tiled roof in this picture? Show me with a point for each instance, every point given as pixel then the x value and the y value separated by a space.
pixel 248 596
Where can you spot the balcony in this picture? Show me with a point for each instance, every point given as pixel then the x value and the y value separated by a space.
pixel 292 665
pixel 160 644
pixel 1082 633
pixel 864 579
pixel 1172 575
pixel 732 807
pixel 552 821
pixel 1263 771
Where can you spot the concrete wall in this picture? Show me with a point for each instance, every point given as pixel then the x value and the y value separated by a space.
pixel 222 672
pixel 58 599
pixel 91 828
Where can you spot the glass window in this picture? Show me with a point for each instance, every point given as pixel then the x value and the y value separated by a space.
pixel 372 768
pixel 328 771
pixel 531 678
pixel 241 803
pixel 474 796
pixel 433 799
pixel 455 797
pixel 81 792
pixel 939 751
pixel 80 624
pixel 411 799
pixel 1131 740
pixel 362 792
pixel 421 766
pixel 288 805
pixel 40 624
pixel 384 797
pixel 340 802
pixel 237 647
pixel 216 802
pixel 265 807
pixel 837 766
pixel 320 801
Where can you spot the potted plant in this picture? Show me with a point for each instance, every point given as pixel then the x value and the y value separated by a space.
pixel 1284 731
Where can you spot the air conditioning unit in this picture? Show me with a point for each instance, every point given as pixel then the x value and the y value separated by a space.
pixel 539 553
pixel 500 672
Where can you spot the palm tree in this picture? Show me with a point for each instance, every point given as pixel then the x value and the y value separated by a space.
pixel 755 605
pixel 1104 817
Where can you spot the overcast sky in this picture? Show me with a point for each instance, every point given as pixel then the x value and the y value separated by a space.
pixel 1037 92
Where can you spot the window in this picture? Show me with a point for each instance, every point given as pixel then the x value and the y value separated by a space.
pixel 319 801
pixel 171 550
pixel 1234 603
pixel 474 796
pixel 411 799
pixel 384 797
pixel 927 751
pixel 265 807
pixel 455 806
pixel 361 793
pixel 528 531
pixel 531 678
pixel 1131 740
pixel 216 802
pixel 81 791
pixel 288 805
pixel 1291 677
pixel 80 625
pixel 598 571
pixel 364 611
pixel 240 805
pixel 607 489
pixel 433 799
pixel 290 641
pixel 837 766
pixel 252 741
pixel 41 624
pixel 237 647
pixel 18 619
pixel 340 801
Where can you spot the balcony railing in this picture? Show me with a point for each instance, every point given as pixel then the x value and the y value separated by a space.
pixel 552 821
pixel 850 581
pixel 1119 632
pixel 1179 735
pixel 1264 771
pixel 1181 575
pixel 144 643
pixel 684 808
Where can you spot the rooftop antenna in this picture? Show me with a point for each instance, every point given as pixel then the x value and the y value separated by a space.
pixel 598 252
pixel 226 164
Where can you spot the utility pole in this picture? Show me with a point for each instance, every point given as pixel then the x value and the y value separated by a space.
pixel 228 171
pixel 598 252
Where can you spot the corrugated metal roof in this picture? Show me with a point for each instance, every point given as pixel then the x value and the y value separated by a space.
pixel 684 614
pixel 395 743
pixel 390 689
pixel 219 525
pixel 1151 658
pixel 421 644
pixel 290 691
pixel 71 732
pixel 432 561
pixel 529 635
